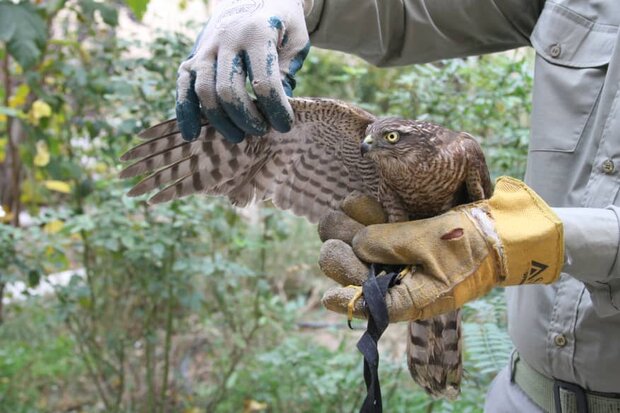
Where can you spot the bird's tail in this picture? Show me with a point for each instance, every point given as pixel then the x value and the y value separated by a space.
pixel 434 358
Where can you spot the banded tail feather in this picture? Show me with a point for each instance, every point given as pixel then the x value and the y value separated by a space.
pixel 434 354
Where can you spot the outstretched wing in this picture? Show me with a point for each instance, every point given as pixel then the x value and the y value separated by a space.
pixel 308 170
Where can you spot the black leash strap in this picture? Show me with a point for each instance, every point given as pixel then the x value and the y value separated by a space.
pixel 374 289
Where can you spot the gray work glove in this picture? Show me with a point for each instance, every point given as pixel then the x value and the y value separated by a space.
pixel 265 41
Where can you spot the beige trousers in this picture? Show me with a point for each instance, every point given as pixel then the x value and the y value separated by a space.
pixel 506 397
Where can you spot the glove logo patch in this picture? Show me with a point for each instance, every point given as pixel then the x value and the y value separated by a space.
pixel 532 276
pixel 241 7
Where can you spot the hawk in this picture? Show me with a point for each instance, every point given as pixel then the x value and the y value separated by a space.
pixel 414 169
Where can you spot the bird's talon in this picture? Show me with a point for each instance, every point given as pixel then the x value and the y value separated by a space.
pixel 410 269
pixel 351 305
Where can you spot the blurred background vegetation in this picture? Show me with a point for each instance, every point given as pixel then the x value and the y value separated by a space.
pixel 194 306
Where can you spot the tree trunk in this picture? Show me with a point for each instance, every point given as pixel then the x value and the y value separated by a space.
pixel 11 167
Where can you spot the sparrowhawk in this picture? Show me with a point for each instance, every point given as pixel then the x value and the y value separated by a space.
pixel 414 169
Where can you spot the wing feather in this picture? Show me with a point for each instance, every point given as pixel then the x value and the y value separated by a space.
pixel 308 170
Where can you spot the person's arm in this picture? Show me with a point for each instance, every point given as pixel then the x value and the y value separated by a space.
pixel 399 32
pixel 591 242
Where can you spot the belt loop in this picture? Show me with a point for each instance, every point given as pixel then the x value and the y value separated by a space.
pixel 581 399
pixel 514 359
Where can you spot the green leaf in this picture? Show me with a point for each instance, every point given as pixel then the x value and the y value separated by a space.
pixel 23 31
pixel 11 112
pixel 138 7
pixel 108 14
pixel 34 276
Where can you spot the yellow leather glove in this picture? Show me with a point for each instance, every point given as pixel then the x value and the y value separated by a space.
pixel 513 238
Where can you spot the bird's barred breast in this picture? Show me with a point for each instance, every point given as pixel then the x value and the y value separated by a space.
pixel 432 186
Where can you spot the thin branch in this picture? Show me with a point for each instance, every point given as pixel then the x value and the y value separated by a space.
pixel 121 385
pixel 2 285
pixel 86 263
pixel 169 324
pixel 90 368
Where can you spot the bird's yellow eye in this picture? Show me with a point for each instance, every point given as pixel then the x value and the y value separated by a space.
pixel 392 137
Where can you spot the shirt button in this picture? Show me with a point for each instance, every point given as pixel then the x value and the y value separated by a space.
pixel 555 50
pixel 608 166
pixel 560 340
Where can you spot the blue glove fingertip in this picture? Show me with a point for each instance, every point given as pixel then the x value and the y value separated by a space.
pixel 276 112
pixel 298 60
pixel 220 121
pixel 289 83
pixel 188 113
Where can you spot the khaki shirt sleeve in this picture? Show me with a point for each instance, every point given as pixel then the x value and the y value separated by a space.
pixel 592 239
pixel 399 32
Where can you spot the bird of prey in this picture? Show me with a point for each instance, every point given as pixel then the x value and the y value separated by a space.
pixel 414 169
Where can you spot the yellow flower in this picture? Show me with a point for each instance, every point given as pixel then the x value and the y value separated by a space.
pixel 20 96
pixel 39 110
pixel 58 186
pixel 5 214
pixel 54 226
pixel 42 158
pixel 3 142
pixel 253 406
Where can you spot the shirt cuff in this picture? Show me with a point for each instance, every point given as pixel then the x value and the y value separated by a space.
pixel 591 245
pixel 312 12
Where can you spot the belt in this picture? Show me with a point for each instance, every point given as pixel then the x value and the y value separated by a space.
pixel 556 396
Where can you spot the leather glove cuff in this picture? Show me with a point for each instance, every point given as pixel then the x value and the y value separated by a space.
pixel 524 232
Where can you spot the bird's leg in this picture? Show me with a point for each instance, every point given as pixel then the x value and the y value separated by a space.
pixel 375 270
pixel 358 294
pixel 409 269
pixel 402 273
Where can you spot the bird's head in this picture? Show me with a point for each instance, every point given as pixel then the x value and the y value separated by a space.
pixel 397 137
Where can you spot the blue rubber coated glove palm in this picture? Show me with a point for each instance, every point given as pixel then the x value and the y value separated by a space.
pixel 263 40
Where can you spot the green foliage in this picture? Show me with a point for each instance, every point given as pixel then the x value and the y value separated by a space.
pixel 27 254
pixel 148 270
pixel 297 375
pixel 36 357
pixel 108 13
pixel 24 32
pixel 138 7
pixel 488 345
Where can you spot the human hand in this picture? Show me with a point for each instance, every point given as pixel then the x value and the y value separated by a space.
pixel 265 41
pixel 511 239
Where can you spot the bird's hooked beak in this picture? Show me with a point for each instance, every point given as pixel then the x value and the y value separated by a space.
pixel 366 145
